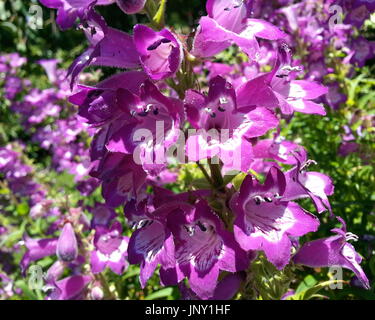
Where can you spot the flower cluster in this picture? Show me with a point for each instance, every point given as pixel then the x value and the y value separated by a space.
pixel 173 107
pixel 48 119
pixel 19 176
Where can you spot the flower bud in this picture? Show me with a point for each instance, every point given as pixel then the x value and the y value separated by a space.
pixel 97 293
pixel 131 6
pixel 67 248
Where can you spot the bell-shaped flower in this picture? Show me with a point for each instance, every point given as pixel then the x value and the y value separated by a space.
pixel 50 67
pixel 303 184
pixel 265 222
pixel 224 126
pixel 229 22
pixel 69 288
pixel 333 251
pixel 277 149
pixel 122 179
pixel 152 242
pixel 155 127
pixel 160 52
pixel 68 11
pixel 108 47
pixel 102 215
pixel 102 106
pixel 203 249
pixel 110 249
pixel 37 249
pixel 275 89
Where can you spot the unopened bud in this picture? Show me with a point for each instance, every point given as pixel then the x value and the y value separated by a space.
pixel 67 248
pixel 97 293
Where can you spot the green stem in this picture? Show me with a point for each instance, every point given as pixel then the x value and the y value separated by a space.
pixel 216 175
pixel 205 173
pixel 108 295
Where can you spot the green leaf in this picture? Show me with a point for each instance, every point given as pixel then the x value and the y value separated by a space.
pixel 311 291
pixel 23 209
pixel 238 179
pixel 163 293
pixel 307 283
pixel 27 292
pixel 131 274
pixel 158 18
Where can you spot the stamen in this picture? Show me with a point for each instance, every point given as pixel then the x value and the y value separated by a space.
pixel 268 199
pixel 148 108
pixel 144 223
pixel 351 236
pixel 190 230
pixel 156 44
pixel 258 200
pixel 201 226
pixel 307 164
pixel 223 100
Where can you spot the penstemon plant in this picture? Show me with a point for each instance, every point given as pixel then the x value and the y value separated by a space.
pixel 190 149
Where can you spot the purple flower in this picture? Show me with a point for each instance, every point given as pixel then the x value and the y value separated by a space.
pixel 68 11
pixel 50 66
pixel 102 215
pixel 334 96
pixel 160 52
pixel 36 250
pixel 108 47
pixel 88 186
pixel 228 22
pixel 264 221
pixel 363 51
pixel 13 85
pixel 203 248
pixel 13 60
pixel 102 104
pixel 226 288
pixel 224 109
pixel 70 288
pixel 357 16
pixel 152 243
pixel 302 184
pixel 67 247
pixel 347 148
pixel 275 89
pixel 110 249
pixel 153 127
pixel 333 251
pixel 370 5
pixel 7 159
pixel 122 179
pixel 55 272
pixel 131 6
